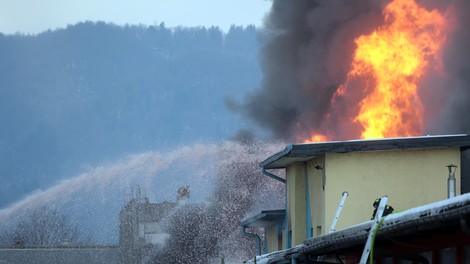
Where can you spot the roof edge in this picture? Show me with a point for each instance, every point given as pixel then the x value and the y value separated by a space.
pixel 276 156
pixel 363 145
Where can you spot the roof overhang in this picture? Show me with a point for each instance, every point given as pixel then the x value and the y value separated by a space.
pixel 305 152
pixel 265 219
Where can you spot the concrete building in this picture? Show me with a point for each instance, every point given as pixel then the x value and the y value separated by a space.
pixel 165 232
pixel 141 230
pixel 410 171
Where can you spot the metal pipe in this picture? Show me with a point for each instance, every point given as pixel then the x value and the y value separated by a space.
pixel 338 212
pixel 288 242
pixel 286 222
pixel 258 239
pixel 451 185
pixel 309 231
pixel 373 230
pixel 273 176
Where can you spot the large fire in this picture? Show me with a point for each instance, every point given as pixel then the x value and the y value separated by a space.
pixel 388 65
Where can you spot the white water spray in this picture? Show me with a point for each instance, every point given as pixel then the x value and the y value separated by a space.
pixel 95 197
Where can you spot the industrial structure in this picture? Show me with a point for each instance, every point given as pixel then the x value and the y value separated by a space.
pixel 143 231
pixel 413 174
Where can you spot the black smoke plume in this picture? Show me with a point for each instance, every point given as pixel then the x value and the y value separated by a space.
pixel 309 54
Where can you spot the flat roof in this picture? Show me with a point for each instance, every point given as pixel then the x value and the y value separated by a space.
pixel 304 152
pixel 265 218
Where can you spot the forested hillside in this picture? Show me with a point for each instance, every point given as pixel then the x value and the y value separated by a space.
pixel 94 92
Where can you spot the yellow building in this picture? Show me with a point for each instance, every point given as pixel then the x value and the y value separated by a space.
pixel 410 171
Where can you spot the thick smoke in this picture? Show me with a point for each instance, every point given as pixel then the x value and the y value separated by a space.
pixel 456 89
pixel 309 54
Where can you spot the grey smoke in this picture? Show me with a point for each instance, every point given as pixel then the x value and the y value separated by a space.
pixel 456 91
pixel 309 54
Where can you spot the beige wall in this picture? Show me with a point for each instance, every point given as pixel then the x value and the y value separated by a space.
pixel 274 239
pixel 408 177
pixel 296 192
pixel 317 195
pixel 296 199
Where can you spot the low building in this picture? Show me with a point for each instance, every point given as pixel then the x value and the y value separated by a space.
pixel 141 230
pixel 411 171
pixel 272 222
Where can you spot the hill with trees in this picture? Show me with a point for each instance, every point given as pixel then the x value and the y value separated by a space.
pixel 94 92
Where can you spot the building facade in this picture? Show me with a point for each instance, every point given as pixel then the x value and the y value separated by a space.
pixel 141 229
pixel 409 171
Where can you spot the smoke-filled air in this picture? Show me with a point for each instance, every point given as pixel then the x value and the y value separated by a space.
pixel 146 141
pixel 338 70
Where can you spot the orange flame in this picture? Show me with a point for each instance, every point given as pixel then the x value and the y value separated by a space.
pixel 395 57
pixel 317 138
pixel 386 69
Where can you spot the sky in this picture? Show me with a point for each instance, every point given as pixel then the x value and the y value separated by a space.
pixel 36 16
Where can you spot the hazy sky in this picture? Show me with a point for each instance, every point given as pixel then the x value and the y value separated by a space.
pixel 35 16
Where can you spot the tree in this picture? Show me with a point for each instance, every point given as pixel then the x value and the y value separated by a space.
pixel 44 227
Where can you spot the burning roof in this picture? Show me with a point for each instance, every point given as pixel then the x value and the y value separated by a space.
pixel 304 152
